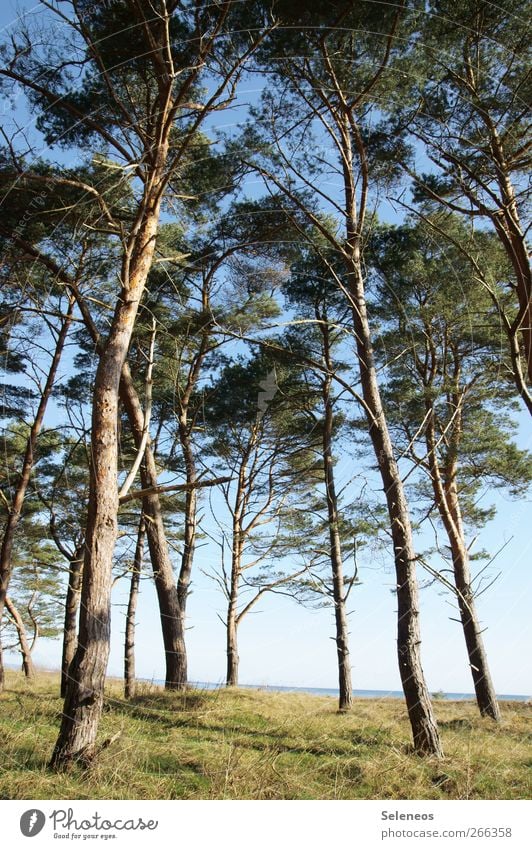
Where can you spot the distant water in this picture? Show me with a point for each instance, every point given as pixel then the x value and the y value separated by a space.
pixel 358 694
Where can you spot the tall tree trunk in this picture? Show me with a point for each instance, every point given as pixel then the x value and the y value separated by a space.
pixel 191 501
pixel 171 615
pixel 447 502
pixel 424 729
pixel 231 679
pixel 185 439
pixel 85 688
pixel 422 720
pixel 15 511
pixel 28 666
pixel 237 548
pixel 340 613
pixel 129 644
pixel 70 631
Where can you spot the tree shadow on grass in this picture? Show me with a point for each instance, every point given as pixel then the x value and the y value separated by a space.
pixel 458 723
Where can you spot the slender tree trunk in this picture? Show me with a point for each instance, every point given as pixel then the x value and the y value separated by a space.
pixel 237 547
pixel 85 689
pixel 129 645
pixel 340 613
pixel 422 720
pixel 172 618
pixel 231 678
pixel 232 644
pixel 34 622
pixel 28 666
pixel 191 502
pixel 185 433
pixel 447 502
pixel 424 729
pixel 478 661
pixel 70 632
pixel 15 511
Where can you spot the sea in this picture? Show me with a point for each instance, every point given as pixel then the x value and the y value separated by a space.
pixel 357 694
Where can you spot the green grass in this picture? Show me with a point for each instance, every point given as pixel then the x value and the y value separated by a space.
pixel 247 744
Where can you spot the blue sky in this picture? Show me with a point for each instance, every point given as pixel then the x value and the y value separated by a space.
pixel 283 643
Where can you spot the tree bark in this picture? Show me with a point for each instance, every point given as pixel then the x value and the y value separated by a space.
pixel 172 617
pixel 85 688
pixel 423 723
pixel 340 613
pixel 28 667
pixel 231 679
pixel 70 638
pixel 191 501
pixel 129 645
pixel 15 511
pixel 422 720
pixel 447 502
pixel 185 439
pixel 514 242
pixel 237 544
pixel 478 661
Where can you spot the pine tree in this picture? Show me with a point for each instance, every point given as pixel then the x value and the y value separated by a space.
pixel 448 399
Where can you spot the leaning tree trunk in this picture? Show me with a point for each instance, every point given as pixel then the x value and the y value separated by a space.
pixel 420 713
pixel 129 644
pixel 171 615
pixel 70 630
pixel 478 661
pixel 340 613
pixel 514 240
pixel 28 667
pixel 85 688
pixel 447 502
pixel 15 510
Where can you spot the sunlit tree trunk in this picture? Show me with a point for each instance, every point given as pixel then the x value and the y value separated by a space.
pixel 85 688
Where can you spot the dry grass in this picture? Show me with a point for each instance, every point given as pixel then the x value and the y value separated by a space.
pixel 247 744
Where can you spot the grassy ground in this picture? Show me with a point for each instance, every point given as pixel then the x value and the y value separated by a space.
pixel 246 744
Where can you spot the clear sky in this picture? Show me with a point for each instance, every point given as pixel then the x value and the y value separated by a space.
pixel 283 643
